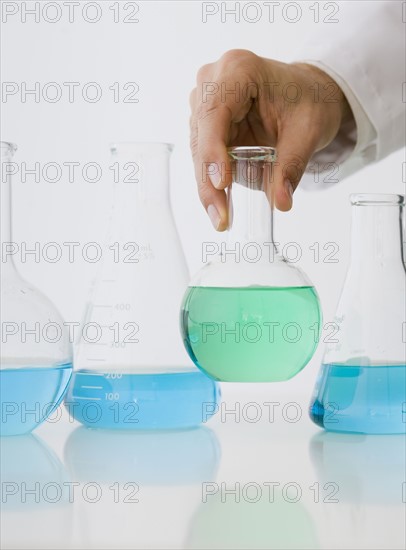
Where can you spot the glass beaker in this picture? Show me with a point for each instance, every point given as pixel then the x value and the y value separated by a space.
pixel 249 315
pixel 362 382
pixel 36 356
pixel 131 369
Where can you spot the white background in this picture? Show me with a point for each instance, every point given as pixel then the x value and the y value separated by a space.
pixel 161 54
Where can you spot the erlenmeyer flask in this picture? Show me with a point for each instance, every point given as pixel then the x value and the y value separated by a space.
pixel 36 356
pixel 131 369
pixel 362 382
pixel 249 315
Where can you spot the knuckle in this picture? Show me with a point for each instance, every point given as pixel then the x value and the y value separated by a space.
pixel 207 154
pixel 204 110
pixel 193 141
pixel 238 57
pixel 203 72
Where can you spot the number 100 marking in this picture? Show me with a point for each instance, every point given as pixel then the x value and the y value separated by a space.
pixel 112 396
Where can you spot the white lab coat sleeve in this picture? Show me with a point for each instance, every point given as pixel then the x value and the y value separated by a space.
pixel 364 52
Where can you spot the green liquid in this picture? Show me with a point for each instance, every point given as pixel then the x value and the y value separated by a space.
pixel 251 334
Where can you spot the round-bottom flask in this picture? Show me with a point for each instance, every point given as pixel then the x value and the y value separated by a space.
pixel 36 356
pixel 132 371
pixel 362 383
pixel 249 315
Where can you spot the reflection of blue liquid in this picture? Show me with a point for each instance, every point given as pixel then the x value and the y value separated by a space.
pixel 142 401
pixel 369 400
pixel 376 471
pixel 29 395
pixel 35 494
pixel 25 461
pixel 174 457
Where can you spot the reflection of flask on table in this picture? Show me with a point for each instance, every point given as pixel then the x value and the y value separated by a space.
pixel 222 523
pixel 156 457
pixel 369 470
pixel 149 484
pixel 132 371
pixel 36 361
pixel 249 315
pixel 369 473
pixel 362 383
pixel 37 511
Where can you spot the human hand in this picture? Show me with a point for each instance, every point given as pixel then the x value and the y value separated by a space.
pixel 244 99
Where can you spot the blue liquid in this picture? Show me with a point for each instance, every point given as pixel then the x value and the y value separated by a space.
pixel 142 401
pixel 369 400
pixel 29 395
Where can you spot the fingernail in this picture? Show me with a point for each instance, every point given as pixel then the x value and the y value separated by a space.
pixel 214 175
pixel 214 216
pixel 289 188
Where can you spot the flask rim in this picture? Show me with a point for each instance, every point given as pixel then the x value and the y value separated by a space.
pixel 7 147
pixel 255 152
pixel 377 199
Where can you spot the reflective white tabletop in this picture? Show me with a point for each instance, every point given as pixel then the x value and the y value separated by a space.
pixel 258 475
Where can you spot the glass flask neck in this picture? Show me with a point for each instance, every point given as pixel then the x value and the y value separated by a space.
pixel 7 152
pixel 377 231
pixel 250 201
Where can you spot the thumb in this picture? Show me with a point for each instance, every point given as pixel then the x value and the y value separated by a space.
pixel 294 151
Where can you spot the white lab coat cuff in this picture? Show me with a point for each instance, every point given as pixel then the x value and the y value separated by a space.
pixel 353 148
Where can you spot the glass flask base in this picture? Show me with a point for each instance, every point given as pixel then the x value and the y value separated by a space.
pixel 29 395
pixel 359 399
pixel 113 400
pixel 251 334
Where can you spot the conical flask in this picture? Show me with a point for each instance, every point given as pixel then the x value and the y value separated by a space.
pixel 131 369
pixel 249 315
pixel 362 382
pixel 36 354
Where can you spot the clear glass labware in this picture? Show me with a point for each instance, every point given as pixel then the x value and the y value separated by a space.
pixel 249 315
pixel 36 355
pixel 362 383
pixel 131 369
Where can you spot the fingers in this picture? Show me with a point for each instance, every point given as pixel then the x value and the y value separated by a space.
pixel 295 148
pixel 213 113
pixel 209 135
